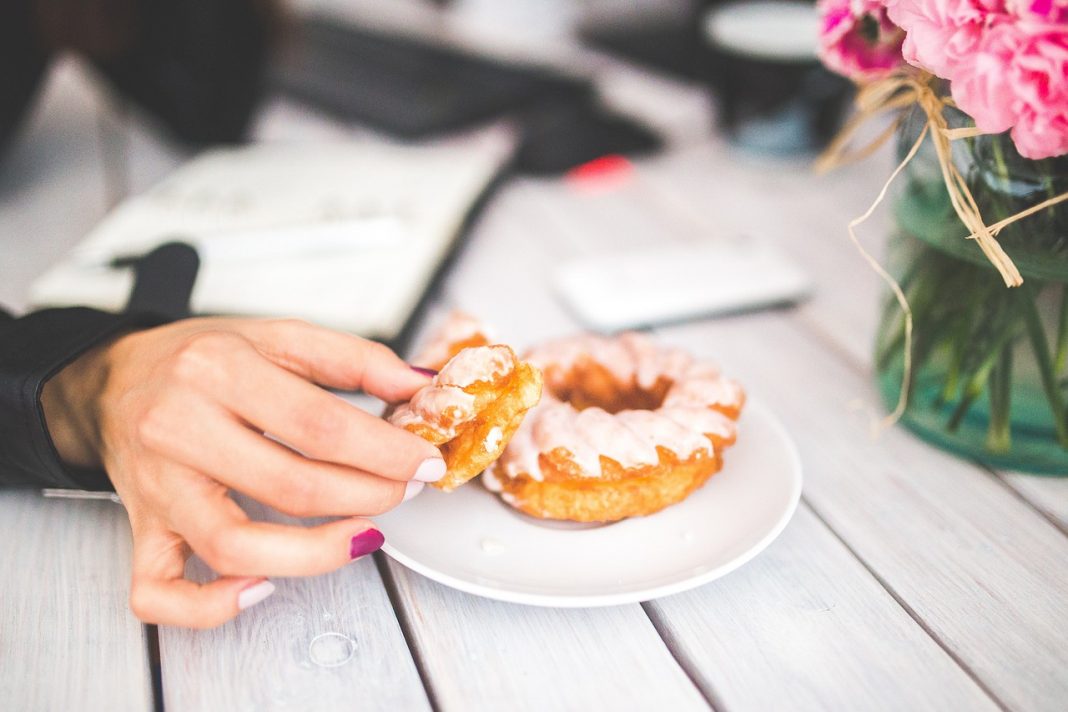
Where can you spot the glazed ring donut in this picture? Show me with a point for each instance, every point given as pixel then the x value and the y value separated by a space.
pixel 472 407
pixel 625 429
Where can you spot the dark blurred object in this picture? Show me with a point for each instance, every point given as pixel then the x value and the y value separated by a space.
pixel 670 42
pixel 407 87
pixel 414 90
pixel 559 135
pixel 23 60
pixel 163 280
pixel 197 65
pixel 774 94
pixel 769 100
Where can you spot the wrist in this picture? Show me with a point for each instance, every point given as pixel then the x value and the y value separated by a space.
pixel 70 401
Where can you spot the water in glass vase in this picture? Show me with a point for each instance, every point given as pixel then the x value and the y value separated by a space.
pixel 990 364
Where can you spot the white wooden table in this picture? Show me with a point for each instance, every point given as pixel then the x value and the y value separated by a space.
pixel 907 580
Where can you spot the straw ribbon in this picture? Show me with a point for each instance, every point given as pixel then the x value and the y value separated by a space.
pixel 904 88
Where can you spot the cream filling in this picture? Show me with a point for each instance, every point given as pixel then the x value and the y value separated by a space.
pixel 493 439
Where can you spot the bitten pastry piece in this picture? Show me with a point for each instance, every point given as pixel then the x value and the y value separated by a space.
pixel 625 429
pixel 471 409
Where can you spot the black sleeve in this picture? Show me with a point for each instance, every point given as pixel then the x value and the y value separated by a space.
pixel 33 349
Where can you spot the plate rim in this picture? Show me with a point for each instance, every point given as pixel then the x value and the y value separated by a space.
pixel 543 600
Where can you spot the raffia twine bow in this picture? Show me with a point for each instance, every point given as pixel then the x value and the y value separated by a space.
pixel 904 88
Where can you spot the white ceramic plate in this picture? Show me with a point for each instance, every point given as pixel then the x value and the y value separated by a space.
pixel 473 542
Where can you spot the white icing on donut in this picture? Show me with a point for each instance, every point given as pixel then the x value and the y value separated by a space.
pixel 611 438
pixel 490 482
pixel 700 420
pixel 705 391
pixel 631 358
pixel 480 363
pixel 657 428
pixel 441 408
pixel 522 452
pixel 683 424
pixel 458 328
pixel 557 358
pixel 447 401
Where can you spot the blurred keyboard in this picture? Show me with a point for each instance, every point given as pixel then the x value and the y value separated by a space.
pixel 405 86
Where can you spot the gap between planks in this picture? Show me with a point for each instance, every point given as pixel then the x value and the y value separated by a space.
pixel 155 670
pixel 1008 484
pixel 905 606
pixel 393 593
pixel 713 698
pixel 684 663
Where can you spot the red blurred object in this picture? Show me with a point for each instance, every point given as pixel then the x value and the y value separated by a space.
pixel 606 173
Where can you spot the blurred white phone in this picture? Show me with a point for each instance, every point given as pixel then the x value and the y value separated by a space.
pixel 621 290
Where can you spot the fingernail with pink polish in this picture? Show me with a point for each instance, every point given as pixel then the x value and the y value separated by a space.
pixel 412 488
pixel 254 594
pixel 366 542
pixel 430 470
pixel 428 372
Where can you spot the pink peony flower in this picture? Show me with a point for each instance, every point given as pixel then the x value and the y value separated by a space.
pixel 1039 136
pixel 940 34
pixel 857 39
pixel 1006 62
pixel 1039 77
pixel 1044 10
pixel 980 84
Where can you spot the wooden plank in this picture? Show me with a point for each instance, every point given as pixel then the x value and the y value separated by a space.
pixel 1049 495
pixel 504 271
pixel 805 626
pixel 67 638
pixel 325 642
pixel 981 571
pixel 480 654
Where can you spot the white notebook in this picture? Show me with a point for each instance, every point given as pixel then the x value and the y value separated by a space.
pixel 345 234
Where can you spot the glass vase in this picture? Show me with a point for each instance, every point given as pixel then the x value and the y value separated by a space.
pixel 989 373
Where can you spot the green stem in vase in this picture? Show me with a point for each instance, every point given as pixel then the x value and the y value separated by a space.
pixel 958 348
pixel 929 338
pixel 886 350
pixel 994 334
pixel 999 434
pixel 972 390
pixel 891 307
pixel 999 158
pixel 1061 358
pixel 1045 366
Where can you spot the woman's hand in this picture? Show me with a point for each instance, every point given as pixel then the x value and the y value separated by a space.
pixel 177 416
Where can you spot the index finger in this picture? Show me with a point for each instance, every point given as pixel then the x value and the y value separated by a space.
pixel 337 360
pixel 321 425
